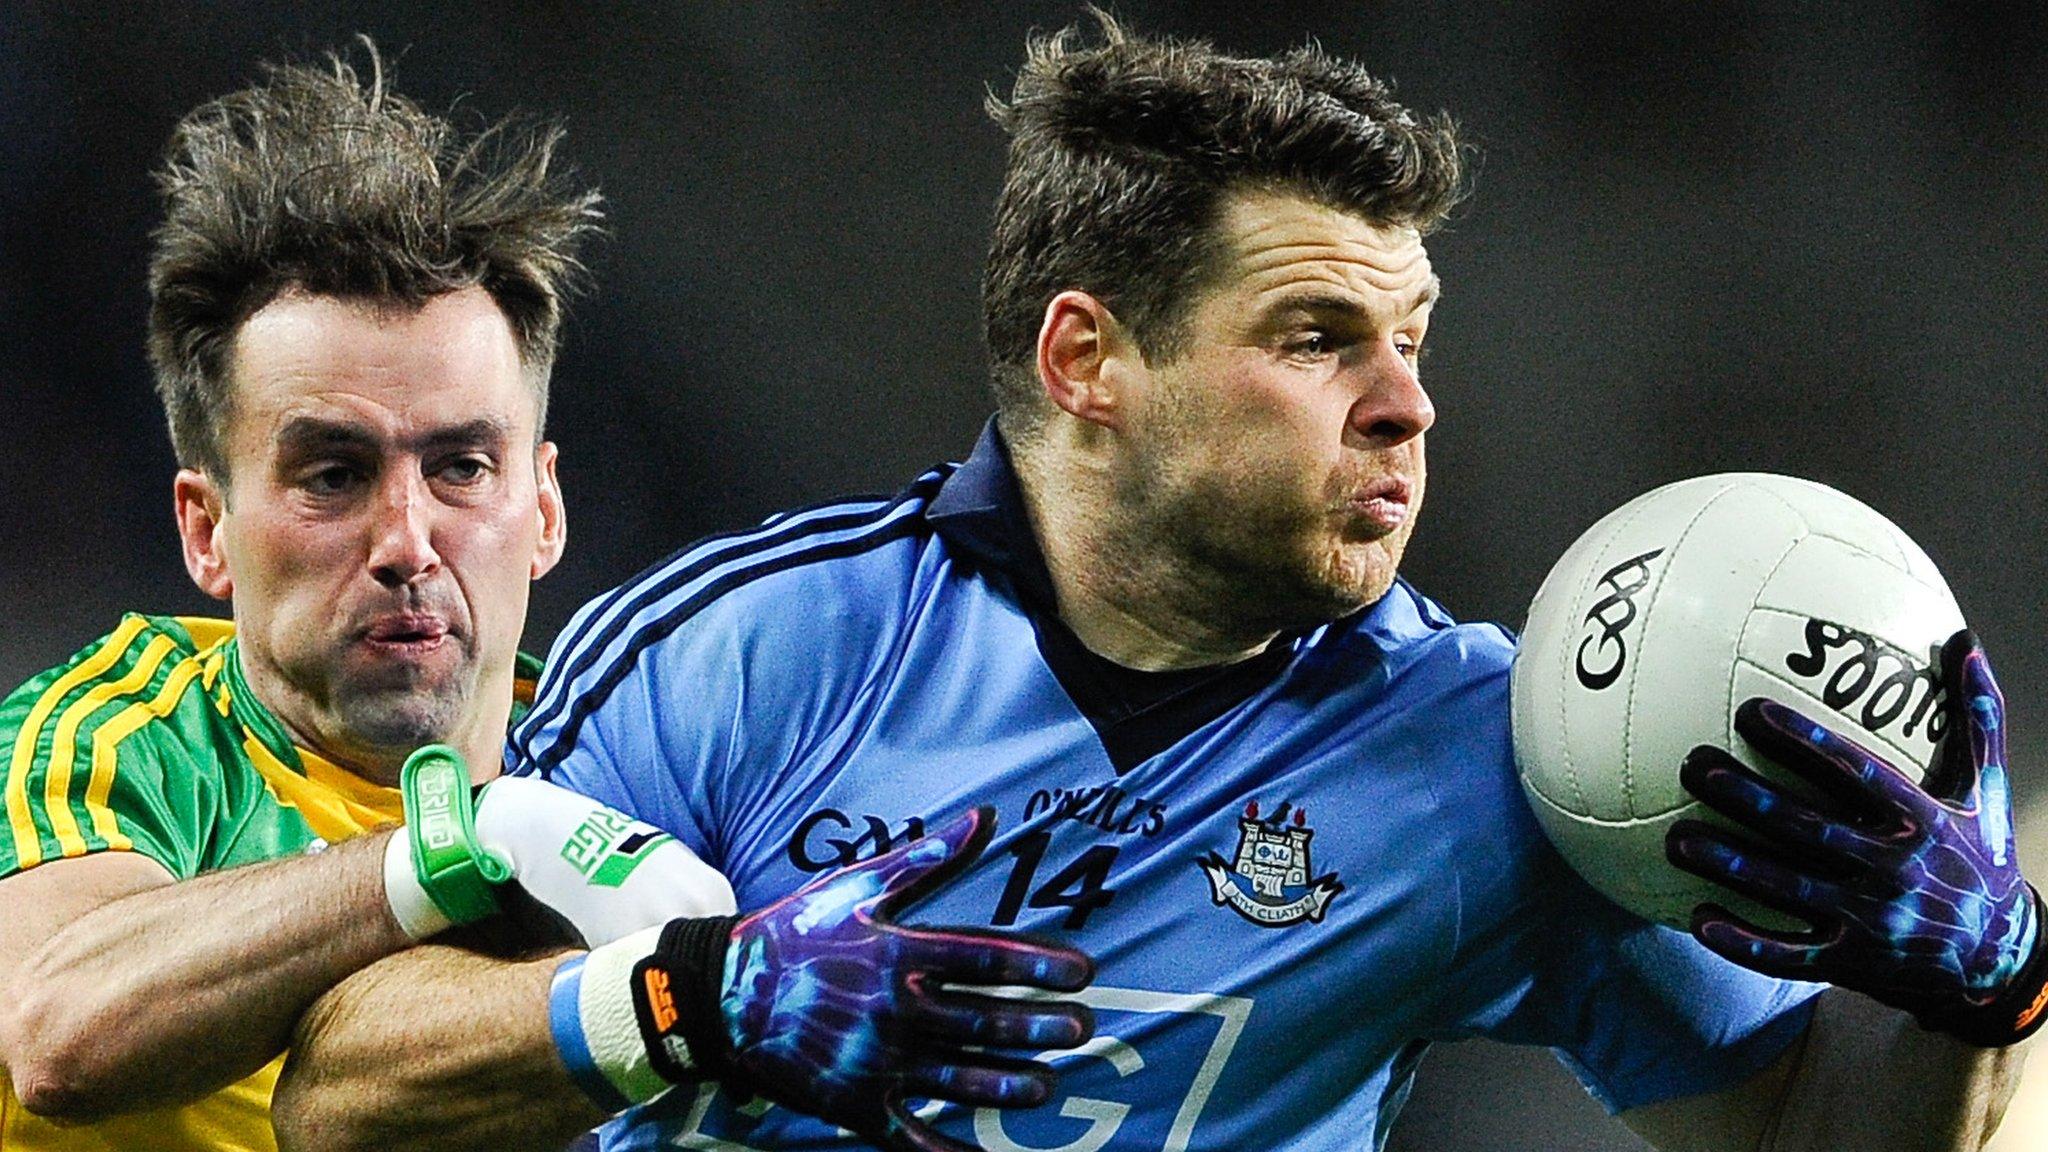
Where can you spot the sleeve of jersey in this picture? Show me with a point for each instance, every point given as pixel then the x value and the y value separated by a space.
pixel 98 758
pixel 674 721
pixel 1640 1013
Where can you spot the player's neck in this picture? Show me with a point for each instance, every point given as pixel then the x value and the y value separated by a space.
pixel 1134 601
pixel 485 758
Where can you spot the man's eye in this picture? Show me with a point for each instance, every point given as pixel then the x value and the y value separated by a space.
pixel 1312 345
pixel 332 480
pixel 465 470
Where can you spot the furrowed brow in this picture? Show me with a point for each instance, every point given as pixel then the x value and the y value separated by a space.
pixel 306 435
pixel 468 434
pixel 1316 304
pixel 1429 294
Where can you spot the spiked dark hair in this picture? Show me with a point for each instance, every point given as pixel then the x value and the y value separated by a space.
pixel 1122 154
pixel 317 180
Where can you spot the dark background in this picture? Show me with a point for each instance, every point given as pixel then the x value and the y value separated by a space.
pixel 1786 237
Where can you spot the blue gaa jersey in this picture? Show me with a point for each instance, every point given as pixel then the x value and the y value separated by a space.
pixel 1295 872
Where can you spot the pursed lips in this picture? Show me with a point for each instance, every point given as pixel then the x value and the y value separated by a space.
pixel 406 633
pixel 1383 502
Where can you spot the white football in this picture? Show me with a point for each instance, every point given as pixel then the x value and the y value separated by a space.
pixel 1674 609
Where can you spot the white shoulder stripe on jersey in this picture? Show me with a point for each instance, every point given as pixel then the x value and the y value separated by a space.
pixel 604 611
pixel 602 638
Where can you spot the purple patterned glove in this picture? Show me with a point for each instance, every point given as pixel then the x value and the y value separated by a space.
pixel 1914 892
pixel 822 1004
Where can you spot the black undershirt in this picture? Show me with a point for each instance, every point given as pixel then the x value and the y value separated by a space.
pixel 1138 714
pixel 979 512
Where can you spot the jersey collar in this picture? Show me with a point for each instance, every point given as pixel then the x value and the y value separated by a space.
pixel 980 513
pixel 248 711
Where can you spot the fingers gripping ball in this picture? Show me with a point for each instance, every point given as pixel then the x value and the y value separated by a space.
pixel 1666 615
pixel 1908 892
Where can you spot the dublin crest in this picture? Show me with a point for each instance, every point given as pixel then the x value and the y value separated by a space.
pixel 1269 883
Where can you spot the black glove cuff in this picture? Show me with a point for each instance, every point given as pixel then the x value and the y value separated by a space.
pixel 676 993
pixel 2014 1014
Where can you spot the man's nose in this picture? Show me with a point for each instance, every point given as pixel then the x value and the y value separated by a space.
pixel 1392 406
pixel 402 542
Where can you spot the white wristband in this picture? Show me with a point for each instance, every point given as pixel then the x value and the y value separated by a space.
pixel 414 910
pixel 596 1028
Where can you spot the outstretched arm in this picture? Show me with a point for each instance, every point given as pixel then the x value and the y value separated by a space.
pixel 125 990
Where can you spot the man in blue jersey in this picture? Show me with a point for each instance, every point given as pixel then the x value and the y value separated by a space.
pixel 1153 622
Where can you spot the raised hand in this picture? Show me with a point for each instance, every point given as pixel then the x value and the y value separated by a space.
pixel 1913 891
pixel 834 1010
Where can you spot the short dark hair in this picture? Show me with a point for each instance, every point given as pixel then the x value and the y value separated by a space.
pixel 1122 154
pixel 317 181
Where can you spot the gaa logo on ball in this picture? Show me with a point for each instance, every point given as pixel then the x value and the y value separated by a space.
pixel 1674 609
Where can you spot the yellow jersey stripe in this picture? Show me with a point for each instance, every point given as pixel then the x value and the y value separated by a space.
pixel 27 845
pixel 64 746
pixel 106 742
pixel 336 804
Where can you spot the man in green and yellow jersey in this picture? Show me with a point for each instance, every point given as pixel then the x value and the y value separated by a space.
pixel 354 316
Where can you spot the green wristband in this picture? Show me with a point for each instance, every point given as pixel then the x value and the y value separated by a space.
pixel 453 869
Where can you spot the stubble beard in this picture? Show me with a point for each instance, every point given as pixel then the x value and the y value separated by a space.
pixel 393 711
pixel 1353 574
pixel 396 720
pixel 1260 562
pixel 1353 565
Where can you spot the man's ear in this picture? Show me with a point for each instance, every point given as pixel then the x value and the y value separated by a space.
pixel 201 506
pixel 554 515
pixel 1086 359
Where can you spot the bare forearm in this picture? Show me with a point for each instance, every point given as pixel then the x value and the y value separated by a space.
pixel 435 1048
pixel 1872 1078
pixel 164 995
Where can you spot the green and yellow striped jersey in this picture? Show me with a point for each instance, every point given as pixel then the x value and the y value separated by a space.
pixel 149 741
